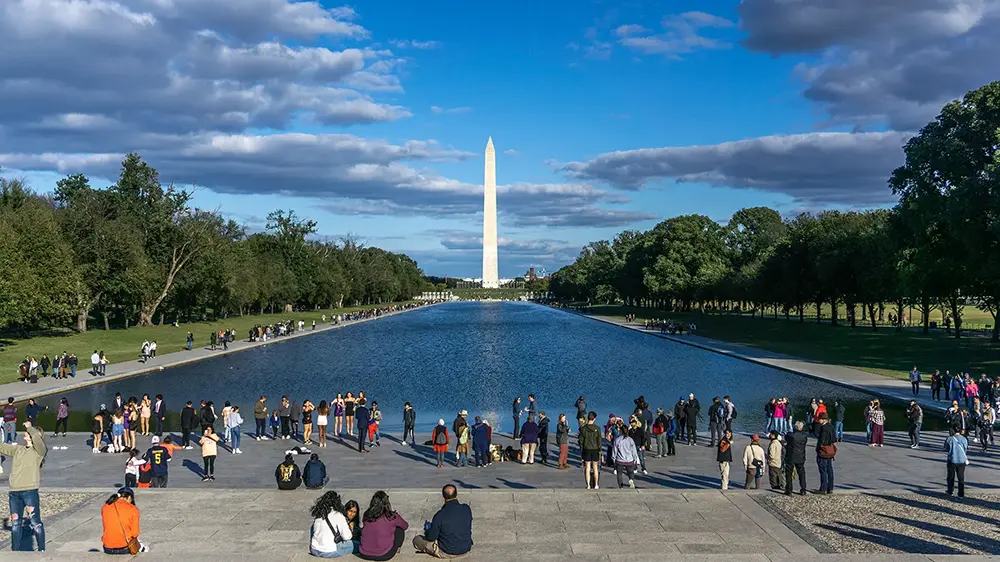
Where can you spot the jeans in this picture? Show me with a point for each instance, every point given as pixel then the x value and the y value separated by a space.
pixel 261 430
pixel 543 449
pixel 343 549
pixel 482 454
pixel 190 343
pixel 838 430
pixel 661 444
pixel 714 433
pixel 825 474
pixel 936 392
pixel 915 433
pixel 234 435
pixel 25 504
pixel 185 437
pixel 209 463
pixel 408 431
pixel 953 471
pixel 362 435
pixel 868 432
pixel 642 459
pixel 9 431
pixel 440 458
pixel 286 426
pixel 517 426
pixel 916 387
pixel 72 371
pixel 670 446
pixel 463 459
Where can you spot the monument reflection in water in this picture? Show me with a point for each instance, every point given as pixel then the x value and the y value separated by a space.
pixel 477 357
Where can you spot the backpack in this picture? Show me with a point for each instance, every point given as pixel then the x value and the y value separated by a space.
pixel 440 438
pixel 658 428
pixel 734 411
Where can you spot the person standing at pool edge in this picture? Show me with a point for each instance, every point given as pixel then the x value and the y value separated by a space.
pixel 361 414
pixel 517 417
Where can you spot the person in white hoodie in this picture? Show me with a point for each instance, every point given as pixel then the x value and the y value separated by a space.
pixel 753 461
pixel 330 535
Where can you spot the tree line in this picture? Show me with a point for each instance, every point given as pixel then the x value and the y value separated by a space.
pixel 938 247
pixel 138 252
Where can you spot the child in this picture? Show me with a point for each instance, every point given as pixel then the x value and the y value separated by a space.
pixel 275 422
pixel 145 476
pixel 132 468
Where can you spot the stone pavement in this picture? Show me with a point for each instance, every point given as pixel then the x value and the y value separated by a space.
pixel 885 387
pixel 858 467
pixel 533 525
pixel 49 385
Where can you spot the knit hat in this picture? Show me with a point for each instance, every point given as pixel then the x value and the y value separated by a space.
pixel 755 438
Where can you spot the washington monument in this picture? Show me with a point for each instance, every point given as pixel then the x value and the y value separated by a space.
pixel 490 275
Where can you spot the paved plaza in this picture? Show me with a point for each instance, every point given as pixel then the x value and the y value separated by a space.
pixel 858 466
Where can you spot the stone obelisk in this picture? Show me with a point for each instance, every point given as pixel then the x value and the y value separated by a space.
pixel 490 275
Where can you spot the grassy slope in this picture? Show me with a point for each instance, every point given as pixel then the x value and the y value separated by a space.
pixel 123 345
pixel 885 352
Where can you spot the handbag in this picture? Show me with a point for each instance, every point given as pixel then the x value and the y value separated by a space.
pixel 131 543
pixel 827 451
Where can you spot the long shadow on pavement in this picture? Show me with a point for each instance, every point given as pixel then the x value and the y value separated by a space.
pixel 888 539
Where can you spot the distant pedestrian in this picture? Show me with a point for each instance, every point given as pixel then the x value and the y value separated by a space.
pixel 439 438
pixel 517 417
pixel 775 455
pixel 915 380
pixel 826 452
pixel 362 414
pixel 590 445
pixel 209 452
pixel 753 462
pixel 562 441
pixel 957 447
pixel 409 423
pixel 795 458
pixel 915 415
pixel 724 456
pixel 877 418
pixel 529 440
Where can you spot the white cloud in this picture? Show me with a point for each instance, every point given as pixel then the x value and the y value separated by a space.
pixel 816 168
pixel 413 44
pixel 682 34
pixel 438 110
pixel 510 152
pixel 892 62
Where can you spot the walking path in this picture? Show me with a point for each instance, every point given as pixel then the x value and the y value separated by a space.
pixel 536 525
pixel 885 387
pixel 50 385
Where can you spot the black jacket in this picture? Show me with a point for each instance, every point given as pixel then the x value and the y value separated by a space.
pixel 795 447
pixel 691 411
pixel 451 527
pixel 187 417
pixel 409 417
pixel 288 476
pixel 543 429
pixel 827 436
pixel 715 413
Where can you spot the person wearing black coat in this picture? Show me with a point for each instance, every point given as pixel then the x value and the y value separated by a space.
pixel 795 458
pixel 543 436
pixel 691 412
pixel 362 415
pixel 681 419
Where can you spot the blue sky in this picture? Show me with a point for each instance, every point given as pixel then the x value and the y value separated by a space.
pixel 372 118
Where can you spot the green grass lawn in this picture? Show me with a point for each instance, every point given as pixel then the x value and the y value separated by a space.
pixel 885 352
pixel 124 344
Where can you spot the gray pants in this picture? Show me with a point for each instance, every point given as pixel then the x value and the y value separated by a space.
pixel 661 444
pixel 715 432
pixel 752 482
pixel 776 477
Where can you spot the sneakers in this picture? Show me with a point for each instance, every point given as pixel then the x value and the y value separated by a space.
pixel 645 472
pixel 204 478
pixel 596 487
pixel 189 447
pixel 239 451
pixel 631 484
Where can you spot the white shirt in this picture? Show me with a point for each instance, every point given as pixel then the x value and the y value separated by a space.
pixel 132 465
pixel 152 346
pixel 95 359
pixel 322 536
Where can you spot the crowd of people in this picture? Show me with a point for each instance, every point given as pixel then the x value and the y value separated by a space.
pixel 64 365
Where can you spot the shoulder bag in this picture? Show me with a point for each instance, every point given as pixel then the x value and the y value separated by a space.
pixel 132 542
pixel 337 537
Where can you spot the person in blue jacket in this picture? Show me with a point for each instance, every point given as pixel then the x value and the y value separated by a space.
pixel 314 474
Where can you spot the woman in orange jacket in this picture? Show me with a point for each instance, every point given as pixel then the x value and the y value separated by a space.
pixel 120 518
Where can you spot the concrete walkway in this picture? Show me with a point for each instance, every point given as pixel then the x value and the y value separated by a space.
pixel 885 387
pixel 49 385
pixel 538 525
